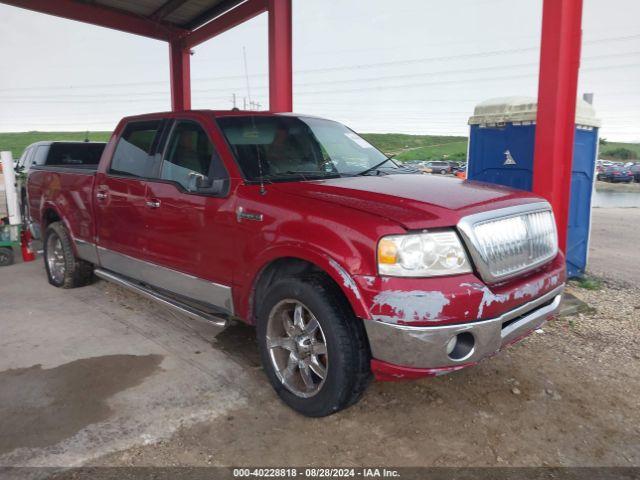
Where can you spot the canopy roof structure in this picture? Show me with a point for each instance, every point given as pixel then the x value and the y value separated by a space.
pixel 183 14
pixel 187 23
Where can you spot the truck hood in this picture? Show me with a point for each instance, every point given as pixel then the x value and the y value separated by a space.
pixel 414 201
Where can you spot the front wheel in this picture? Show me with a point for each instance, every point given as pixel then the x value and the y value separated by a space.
pixel 64 269
pixel 314 350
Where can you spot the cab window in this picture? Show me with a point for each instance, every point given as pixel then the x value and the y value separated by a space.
pixel 190 158
pixel 134 153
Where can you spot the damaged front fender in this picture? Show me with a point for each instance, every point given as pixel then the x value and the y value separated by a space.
pixel 454 299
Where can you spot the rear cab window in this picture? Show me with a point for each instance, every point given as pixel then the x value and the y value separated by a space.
pixel 75 154
pixel 133 156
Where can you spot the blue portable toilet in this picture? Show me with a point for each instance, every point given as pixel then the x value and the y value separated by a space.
pixel 501 143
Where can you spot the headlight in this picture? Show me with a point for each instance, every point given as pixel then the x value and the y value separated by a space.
pixel 422 255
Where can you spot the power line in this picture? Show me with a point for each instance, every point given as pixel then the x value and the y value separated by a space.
pixel 335 68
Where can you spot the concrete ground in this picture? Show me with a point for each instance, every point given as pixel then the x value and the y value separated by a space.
pixel 98 376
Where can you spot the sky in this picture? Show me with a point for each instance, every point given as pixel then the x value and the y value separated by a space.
pixel 407 66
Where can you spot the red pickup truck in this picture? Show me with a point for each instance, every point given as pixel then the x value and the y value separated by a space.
pixel 350 265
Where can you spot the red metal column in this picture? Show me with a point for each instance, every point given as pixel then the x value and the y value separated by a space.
pixel 557 91
pixel 280 56
pixel 179 56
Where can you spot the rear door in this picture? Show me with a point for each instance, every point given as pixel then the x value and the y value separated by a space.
pixel 121 201
pixel 191 228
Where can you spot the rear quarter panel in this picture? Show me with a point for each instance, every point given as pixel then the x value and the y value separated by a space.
pixel 67 193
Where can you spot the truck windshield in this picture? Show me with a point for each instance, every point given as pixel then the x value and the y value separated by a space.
pixel 288 148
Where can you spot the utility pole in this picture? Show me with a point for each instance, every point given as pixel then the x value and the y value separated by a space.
pixel 233 99
pixel 244 103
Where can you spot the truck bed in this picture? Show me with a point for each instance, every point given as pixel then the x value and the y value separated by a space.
pixel 66 192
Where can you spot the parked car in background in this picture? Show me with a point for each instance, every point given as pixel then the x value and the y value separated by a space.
pixel 460 167
pixel 615 174
pixel 79 155
pixel 347 271
pixel 604 163
pixel 441 167
pixel 635 170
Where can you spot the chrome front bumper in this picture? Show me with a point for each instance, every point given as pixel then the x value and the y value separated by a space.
pixel 426 347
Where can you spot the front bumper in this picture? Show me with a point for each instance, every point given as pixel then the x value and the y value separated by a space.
pixel 425 348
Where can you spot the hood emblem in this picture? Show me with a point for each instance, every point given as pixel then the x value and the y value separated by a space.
pixel 508 158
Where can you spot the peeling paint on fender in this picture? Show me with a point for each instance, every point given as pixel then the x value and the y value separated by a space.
pixel 529 289
pixel 369 280
pixel 347 281
pixel 488 297
pixel 413 305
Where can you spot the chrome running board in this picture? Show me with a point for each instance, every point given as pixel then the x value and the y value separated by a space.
pixel 216 323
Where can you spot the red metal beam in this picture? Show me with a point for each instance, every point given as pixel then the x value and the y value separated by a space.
pixel 180 58
pixel 240 14
pixel 557 91
pixel 280 56
pixel 101 16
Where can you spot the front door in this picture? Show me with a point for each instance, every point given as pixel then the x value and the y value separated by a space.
pixel 190 226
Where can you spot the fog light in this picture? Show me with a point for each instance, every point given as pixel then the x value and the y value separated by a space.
pixel 461 346
pixel 451 344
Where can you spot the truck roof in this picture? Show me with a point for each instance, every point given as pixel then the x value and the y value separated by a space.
pixel 215 113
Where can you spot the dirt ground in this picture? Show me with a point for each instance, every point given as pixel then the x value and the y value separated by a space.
pixel 98 376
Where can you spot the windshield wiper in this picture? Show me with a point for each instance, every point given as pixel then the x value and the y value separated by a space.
pixel 377 166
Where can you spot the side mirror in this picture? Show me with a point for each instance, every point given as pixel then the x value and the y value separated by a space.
pixel 209 186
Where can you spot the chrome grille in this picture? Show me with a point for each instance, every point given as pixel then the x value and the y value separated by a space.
pixel 507 242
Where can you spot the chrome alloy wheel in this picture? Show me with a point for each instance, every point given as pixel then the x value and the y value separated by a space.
pixel 55 258
pixel 297 348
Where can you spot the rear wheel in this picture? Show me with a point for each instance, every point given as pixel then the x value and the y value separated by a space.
pixel 314 350
pixel 64 269
pixel 443 172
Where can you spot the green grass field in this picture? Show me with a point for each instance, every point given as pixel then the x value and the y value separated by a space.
pixel 610 146
pixel 404 147
pixel 419 147
pixel 17 142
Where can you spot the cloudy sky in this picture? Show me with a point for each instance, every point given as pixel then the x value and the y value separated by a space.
pixel 413 66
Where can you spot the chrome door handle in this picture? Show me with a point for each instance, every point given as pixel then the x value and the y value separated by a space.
pixel 153 203
pixel 101 196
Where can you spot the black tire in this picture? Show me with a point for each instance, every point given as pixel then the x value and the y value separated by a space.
pixel 77 272
pixel 443 172
pixel 7 256
pixel 348 372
